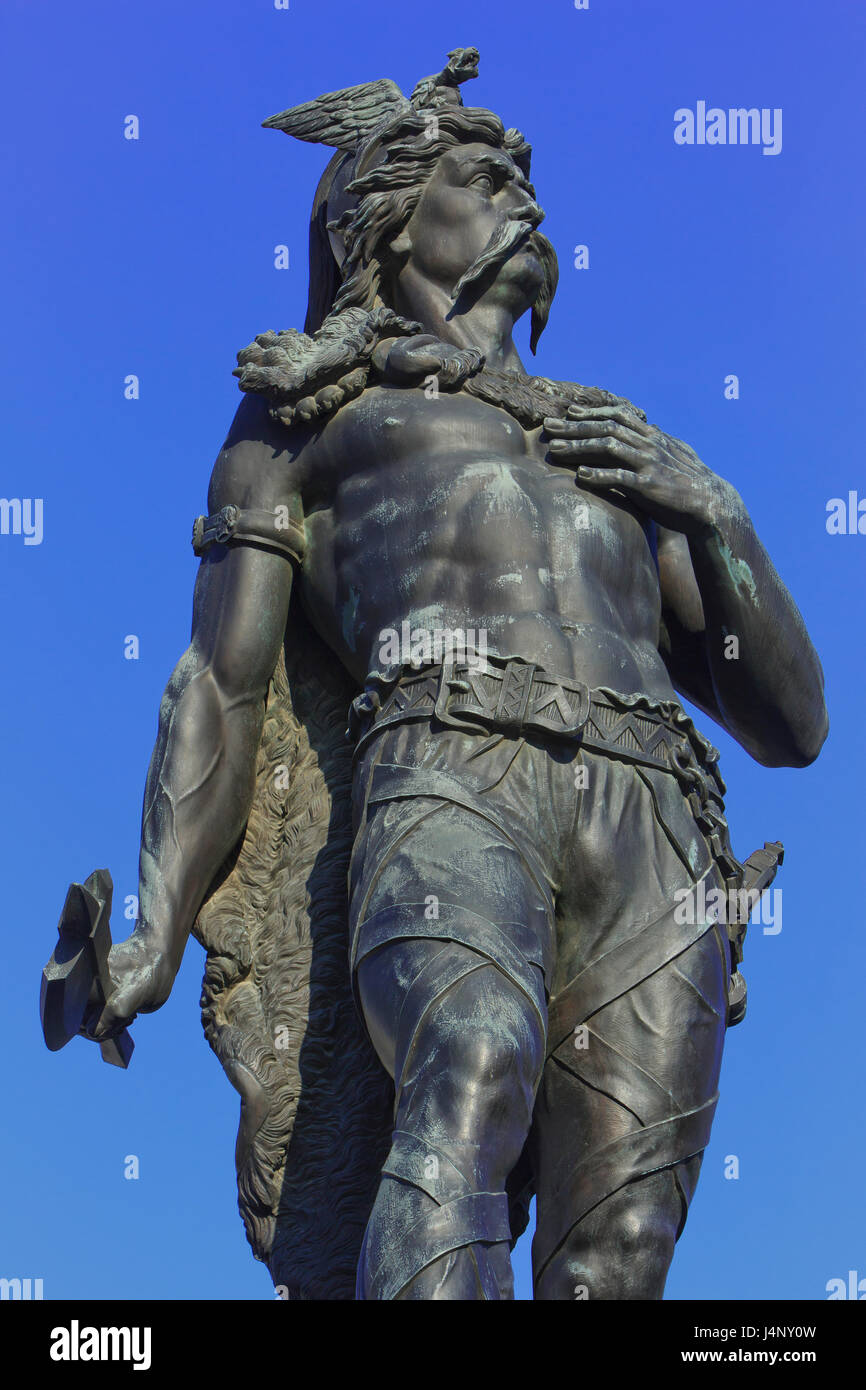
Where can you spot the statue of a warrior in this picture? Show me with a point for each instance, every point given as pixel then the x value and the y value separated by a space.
pixel 423 787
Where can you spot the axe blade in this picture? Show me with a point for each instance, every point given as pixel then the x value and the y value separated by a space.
pixel 77 973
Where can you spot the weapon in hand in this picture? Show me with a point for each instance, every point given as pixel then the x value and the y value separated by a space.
pixel 77 974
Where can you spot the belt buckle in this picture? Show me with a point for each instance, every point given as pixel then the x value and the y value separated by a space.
pixel 571 721
pixel 512 705
pixel 450 684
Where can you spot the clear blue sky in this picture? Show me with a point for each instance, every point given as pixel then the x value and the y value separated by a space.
pixel 155 257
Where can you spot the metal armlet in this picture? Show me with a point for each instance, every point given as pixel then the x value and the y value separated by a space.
pixel 265 528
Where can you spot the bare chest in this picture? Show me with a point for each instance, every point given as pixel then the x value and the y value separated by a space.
pixel 418 462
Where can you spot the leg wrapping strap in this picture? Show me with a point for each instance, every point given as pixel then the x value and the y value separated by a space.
pixel 462 1218
pixel 620 969
pixel 479 1216
pixel 409 1160
pixel 459 924
pixel 402 831
pixel 436 979
pixel 606 1069
pixel 632 1156
pixel 390 781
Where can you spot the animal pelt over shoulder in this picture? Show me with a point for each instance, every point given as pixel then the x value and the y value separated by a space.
pixel 308 377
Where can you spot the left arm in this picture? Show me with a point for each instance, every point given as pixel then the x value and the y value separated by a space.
pixel 718 583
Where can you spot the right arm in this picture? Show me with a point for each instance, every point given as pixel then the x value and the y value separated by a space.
pixel 202 774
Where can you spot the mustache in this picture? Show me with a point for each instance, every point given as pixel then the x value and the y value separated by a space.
pixel 515 227
pixel 546 254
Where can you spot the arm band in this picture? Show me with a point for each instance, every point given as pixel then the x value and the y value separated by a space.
pixel 263 528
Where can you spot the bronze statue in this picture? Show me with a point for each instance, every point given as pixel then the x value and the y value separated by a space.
pixel 500 582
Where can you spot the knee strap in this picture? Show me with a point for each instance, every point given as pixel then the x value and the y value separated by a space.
pixel 410 1160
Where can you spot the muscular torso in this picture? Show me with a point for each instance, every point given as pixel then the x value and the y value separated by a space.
pixel 446 513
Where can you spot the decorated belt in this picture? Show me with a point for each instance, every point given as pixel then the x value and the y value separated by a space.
pixel 517 698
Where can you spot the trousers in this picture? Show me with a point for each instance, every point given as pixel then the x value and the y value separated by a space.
pixel 553 1020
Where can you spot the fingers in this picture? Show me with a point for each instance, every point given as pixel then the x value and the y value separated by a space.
pixel 607 430
pixel 624 478
pixel 591 422
pixel 596 417
pixel 142 974
pixel 101 1023
pixel 617 445
pixel 627 440
pixel 620 414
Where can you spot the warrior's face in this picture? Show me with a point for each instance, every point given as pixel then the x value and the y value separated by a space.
pixel 472 232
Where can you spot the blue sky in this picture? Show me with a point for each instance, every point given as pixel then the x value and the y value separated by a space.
pixel 155 257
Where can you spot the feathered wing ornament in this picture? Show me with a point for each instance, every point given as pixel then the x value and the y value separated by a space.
pixel 345 119
pixel 277 1009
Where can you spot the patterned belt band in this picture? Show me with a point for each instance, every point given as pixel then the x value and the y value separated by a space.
pixel 517 697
